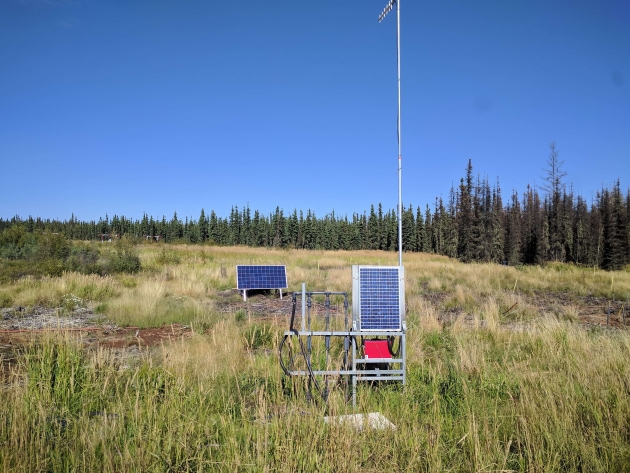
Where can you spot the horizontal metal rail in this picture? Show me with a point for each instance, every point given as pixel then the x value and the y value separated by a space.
pixel 380 378
pixel 358 372
pixel 329 333
pixel 379 360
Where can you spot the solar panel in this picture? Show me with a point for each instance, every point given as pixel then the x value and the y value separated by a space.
pixel 261 277
pixel 378 297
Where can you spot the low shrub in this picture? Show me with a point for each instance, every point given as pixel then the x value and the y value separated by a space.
pixel 240 315
pixel 125 258
pixel 259 336
pixel 5 300
pixel 84 259
pixel 167 258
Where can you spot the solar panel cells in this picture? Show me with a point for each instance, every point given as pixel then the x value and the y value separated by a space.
pixel 380 298
pixel 261 277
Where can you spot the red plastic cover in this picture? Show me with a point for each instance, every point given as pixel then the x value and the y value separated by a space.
pixel 376 349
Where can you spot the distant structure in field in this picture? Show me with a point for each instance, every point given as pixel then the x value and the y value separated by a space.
pixel 108 236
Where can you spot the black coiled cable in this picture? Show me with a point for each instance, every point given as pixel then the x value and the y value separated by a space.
pixel 390 346
pixel 323 395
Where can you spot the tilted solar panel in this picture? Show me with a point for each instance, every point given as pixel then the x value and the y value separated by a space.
pixel 378 297
pixel 261 277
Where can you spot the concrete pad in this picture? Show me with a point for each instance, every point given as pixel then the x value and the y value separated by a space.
pixel 373 420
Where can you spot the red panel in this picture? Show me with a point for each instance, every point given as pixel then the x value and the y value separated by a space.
pixel 376 349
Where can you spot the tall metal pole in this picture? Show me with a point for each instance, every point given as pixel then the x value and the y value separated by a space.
pixel 387 9
pixel 400 209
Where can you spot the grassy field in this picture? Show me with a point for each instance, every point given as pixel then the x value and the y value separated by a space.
pixel 502 374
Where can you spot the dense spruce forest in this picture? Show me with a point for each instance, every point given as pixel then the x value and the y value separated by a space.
pixel 473 224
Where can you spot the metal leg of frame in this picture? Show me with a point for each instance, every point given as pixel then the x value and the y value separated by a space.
pixel 403 353
pixel 354 370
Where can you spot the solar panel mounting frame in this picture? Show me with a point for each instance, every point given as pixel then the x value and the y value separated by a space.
pixel 252 277
pixel 378 298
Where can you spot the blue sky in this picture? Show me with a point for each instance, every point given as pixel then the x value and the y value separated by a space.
pixel 126 107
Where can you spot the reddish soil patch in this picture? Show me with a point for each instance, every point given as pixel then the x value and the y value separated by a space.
pixel 126 341
pixel 599 311
pixel 111 337
pixel 589 310
pixel 19 329
pixel 143 337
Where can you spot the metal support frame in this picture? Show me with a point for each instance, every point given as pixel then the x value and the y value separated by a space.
pixel 244 291
pixel 355 365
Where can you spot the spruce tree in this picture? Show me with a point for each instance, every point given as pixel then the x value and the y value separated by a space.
pixel 420 230
pixel 554 188
pixel 597 233
pixel 530 226
pixel 581 234
pixel 309 231
pixel 477 225
pixel 513 231
pixel 278 229
pixel 465 216
pixel 176 228
pixel 427 244
pixel 566 224
pixel 450 226
pixel 373 230
pixel 409 230
pixel 344 233
pixel 204 231
pixel 614 229
pixel 246 227
pixel 497 252
pixel 382 243
pixel 355 233
pixel 144 226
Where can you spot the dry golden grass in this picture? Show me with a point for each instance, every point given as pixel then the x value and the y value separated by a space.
pixel 206 357
pixel 181 283
pixel 512 383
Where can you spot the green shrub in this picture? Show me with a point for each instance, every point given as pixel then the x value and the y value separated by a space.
pixel 95 292
pixel 53 246
pixel 125 258
pixel 12 270
pixel 16 243
pixel 43 254
pixel 259 336
pixel 52 267
pixel 5 300
pixel 9 251
pixel 84 259
pixel 240 315
pixel 128 282
pixel 167 257
pixel 100 308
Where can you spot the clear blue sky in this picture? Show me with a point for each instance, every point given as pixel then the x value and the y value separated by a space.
pixel 126 107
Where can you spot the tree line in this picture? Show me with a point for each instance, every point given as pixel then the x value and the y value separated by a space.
pixel 472 224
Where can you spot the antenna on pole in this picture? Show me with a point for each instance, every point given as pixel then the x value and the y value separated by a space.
pixel 386 10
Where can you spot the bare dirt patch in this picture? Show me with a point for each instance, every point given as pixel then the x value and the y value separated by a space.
pixel 20 328
pixel 268 306
pixel 92 328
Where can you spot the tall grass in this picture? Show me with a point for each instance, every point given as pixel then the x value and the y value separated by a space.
pixel 484 393
pixel 188 279
pixel 552 398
